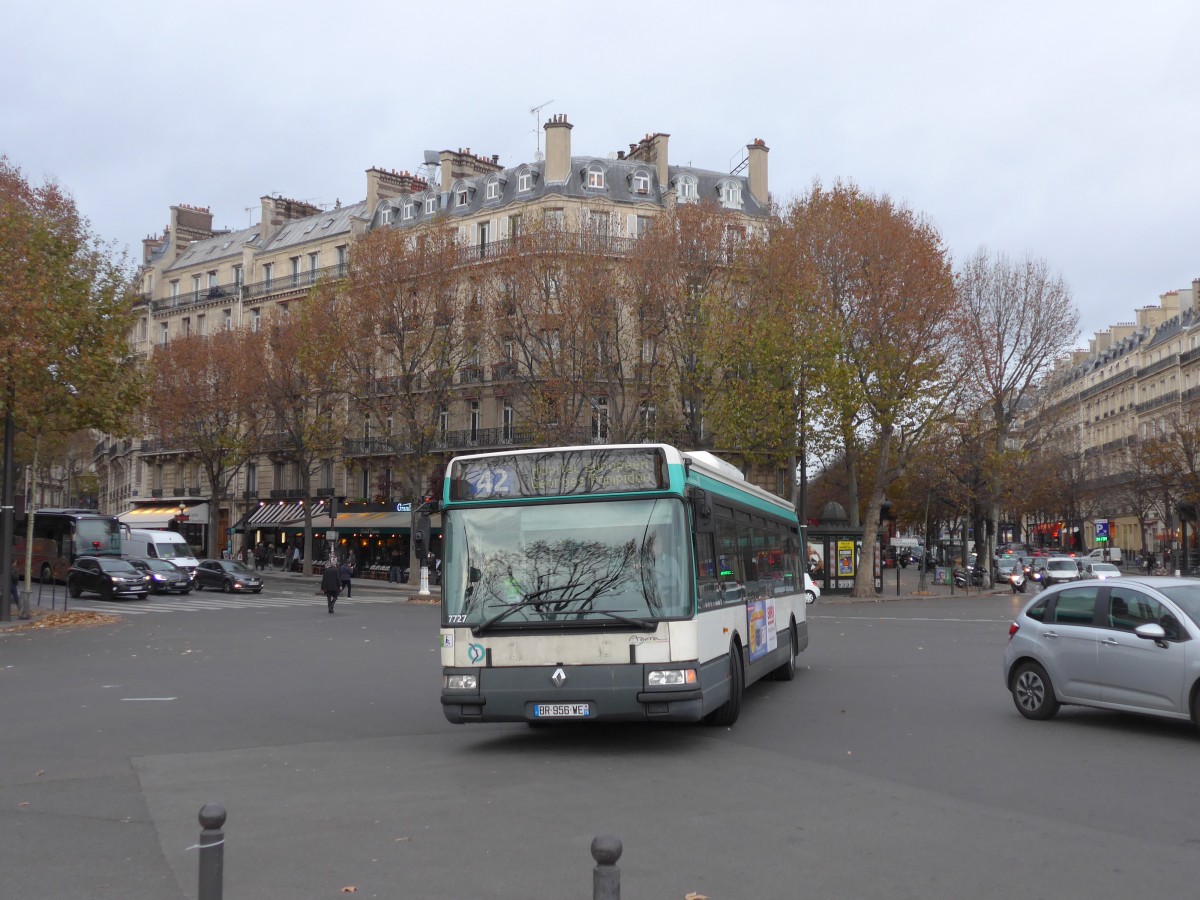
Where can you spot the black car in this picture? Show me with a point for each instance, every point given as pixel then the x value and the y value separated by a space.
pixel 227 575
pixel 109 576
pixel 165 576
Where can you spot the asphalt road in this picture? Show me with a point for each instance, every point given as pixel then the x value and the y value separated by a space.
pixel 894 766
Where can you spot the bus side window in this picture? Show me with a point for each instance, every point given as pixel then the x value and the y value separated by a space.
pixel 729 563
pixel 706 571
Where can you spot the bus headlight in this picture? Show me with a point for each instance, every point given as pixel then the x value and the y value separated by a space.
pixel 671 677
pixel 462 683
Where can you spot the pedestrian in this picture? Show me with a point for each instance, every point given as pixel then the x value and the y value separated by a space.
pixel 331 584
pixel 296 558
pixel 352 560
pixel 347 572
pixel 394 567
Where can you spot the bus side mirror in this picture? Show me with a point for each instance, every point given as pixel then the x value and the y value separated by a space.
pixel 702 512
pixel 421 537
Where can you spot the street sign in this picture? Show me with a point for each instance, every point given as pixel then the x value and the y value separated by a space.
pixel 905 542
pixel 1102 531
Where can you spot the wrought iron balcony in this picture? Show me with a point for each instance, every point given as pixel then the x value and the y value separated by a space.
pixel 300 281
pixel 289 494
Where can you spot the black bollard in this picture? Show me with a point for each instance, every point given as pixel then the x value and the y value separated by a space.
pixel 606 877
pixel 212 851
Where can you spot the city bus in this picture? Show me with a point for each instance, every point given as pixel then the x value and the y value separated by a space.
pixel 617 583
pixel 61 535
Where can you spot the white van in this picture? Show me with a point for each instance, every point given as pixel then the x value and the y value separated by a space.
pixel 1097 555
pixel 146 543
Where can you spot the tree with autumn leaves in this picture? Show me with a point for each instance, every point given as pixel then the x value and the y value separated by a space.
pixel 65 298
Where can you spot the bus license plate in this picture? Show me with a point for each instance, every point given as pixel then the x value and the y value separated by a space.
pixel 560 711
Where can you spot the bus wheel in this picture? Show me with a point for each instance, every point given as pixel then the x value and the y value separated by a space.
pixel 787 671
pixel 727 713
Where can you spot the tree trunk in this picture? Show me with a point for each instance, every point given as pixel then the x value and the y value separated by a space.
pixel 864 575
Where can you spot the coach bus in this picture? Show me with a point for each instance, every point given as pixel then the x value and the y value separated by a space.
pixel 61 535
pixel 622 583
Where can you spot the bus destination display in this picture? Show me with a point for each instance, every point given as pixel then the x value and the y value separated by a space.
pixel 559 474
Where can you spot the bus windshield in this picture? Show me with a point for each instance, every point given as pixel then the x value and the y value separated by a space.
pixel 96 535
pixel 609 563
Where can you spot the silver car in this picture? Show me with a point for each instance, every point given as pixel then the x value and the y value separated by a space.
pixel 1130 644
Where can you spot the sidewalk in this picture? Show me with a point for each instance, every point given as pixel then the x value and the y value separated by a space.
pixel 909 584
pixel 402 592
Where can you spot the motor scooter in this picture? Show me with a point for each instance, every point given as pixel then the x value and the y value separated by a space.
pixel 1017 580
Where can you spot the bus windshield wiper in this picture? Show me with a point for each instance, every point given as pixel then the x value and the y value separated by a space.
pixel 509 609
pixel 643 624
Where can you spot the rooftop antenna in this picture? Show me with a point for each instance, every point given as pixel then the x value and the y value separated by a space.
pixel 537 127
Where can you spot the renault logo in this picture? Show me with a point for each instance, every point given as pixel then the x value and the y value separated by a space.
pixel 559 677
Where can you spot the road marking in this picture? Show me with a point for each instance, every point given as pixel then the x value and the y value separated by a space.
pixel 141 699
pixel 907 619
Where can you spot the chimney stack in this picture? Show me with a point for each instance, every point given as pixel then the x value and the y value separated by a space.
pixel 757 152
pixel 558 149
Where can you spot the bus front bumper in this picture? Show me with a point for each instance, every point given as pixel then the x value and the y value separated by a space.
pixel 612 693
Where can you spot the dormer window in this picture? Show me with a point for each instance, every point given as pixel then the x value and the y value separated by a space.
pixel 462 195
pixel 388 212
pixel 525 182
pixel 493 190
pixel 431 201
pixel 730 193
pixel 641 182
pixel 409 210
pixel 685 187
pixel 595 177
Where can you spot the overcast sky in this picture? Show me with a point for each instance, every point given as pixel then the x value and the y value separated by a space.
pixel 1069 131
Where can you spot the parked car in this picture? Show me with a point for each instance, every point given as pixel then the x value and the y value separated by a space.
pixel 1100 570
pixel 227 575
pixel 109 576
pixel 1102 554
pixel 165 576
pixel 1058 569
pixel 1131 645
pixel 811 591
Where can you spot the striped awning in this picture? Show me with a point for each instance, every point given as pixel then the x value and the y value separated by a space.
pixel 284 515
pixel 158 515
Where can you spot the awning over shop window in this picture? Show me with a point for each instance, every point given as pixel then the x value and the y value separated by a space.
pixel 287 515
pixel 158 515
pixel 373 521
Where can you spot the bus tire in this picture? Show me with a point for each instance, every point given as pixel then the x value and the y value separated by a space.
pixel 727 713
pixel 787 671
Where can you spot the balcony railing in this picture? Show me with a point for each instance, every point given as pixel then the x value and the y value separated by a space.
pixel 215 293
pixel 300 281
pixel 289 494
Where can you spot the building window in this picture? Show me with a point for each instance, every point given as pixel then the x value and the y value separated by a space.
pixel 506 422
pixel 686 188
pixel 493 190
pixel 212 280
pixel 387 215
pixel 268 268
pixel 174 289
pixel 641 225
pixel 443 421
pixel 641 182
pixel 195 286
pixel 200 325
pixel 474 421
pixel 514 225
pixel 164 335
pixel 314 261
pixel 227 319
pixel 525 182
pixel 553 219
pixel 143 324
pixel 255 319
pixel 409 210
pixel 238 276
pixel 600 419
pixel 731 194
pixel 461 196
pixel 647 416
pixel 431 204
pixel 252 478
pixel 595 177
pixel 295 264
pixel 482 236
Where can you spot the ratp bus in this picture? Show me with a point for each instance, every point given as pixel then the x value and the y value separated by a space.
pixel 61 535
pixel 621 583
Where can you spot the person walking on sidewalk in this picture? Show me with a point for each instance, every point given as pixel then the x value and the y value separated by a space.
pixel 331 584
pixel 347 572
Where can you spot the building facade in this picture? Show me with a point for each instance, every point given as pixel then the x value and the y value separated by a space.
pixel 196 280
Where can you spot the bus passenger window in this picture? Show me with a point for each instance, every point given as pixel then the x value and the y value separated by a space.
pixel 706 572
